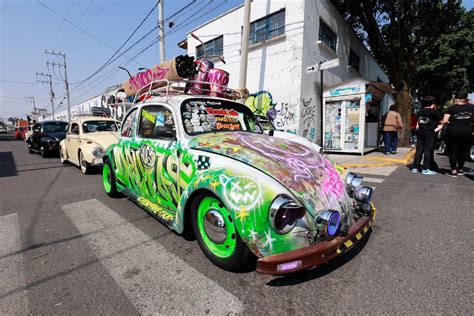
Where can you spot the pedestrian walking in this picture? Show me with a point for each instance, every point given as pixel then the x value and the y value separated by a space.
pixel 428 123
pixel 458 131
pixel 392 125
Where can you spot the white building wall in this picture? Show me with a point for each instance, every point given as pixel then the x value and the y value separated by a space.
pixel 274 66
pixel 279 65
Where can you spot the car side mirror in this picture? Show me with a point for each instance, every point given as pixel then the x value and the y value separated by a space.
pixel 164 132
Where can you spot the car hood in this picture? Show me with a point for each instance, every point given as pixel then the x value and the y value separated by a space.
pixel 103 139
pixel 59 136
pixel 302 170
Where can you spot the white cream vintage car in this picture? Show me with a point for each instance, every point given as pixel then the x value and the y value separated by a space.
pixel 86 141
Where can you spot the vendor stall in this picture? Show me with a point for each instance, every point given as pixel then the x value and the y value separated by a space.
pixel 352 112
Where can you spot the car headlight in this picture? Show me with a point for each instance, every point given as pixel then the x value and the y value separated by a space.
pixel 97 152
pixel 353 181
pixel 284 212
pixel 363 195
pixel 51 142
pixel 328 222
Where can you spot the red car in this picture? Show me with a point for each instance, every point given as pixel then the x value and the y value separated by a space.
pixel 20 132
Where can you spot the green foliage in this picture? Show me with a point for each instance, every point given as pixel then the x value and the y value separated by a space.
pixel 449 63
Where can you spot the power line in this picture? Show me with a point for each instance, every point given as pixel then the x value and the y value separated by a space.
pixel 62 23
pixel 19 82
pixel 78 21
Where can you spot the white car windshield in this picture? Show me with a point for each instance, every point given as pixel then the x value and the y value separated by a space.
pixel 99 126
pixel 205 115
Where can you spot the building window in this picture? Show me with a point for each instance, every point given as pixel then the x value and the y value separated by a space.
pixel 212 47
pixel 271 26
pixel 327 36
pixel 354 60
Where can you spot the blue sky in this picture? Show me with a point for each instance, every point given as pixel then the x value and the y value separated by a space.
pixel 27 28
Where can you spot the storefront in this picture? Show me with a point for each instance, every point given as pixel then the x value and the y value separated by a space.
pixel 352 112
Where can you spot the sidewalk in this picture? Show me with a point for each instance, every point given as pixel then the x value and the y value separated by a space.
pixel 404 156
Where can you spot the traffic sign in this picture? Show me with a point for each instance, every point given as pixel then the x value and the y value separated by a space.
pixel 325 65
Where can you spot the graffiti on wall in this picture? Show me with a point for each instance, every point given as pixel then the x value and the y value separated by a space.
pixel 308 119
pixel 261 103
pixel 286 116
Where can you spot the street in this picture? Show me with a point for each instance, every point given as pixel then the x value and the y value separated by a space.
pixel 67 248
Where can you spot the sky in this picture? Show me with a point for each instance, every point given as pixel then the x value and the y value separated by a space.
pixel 89 32
pixel 93 32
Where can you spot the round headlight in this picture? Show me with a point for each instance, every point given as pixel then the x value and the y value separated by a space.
pixel 98 152
pixel 353 181
pixel 51 142
pixel 328 222
pixel 284 212
pixel 363 195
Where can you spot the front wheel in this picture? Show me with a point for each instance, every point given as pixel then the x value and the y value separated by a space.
pixel 61 156
pixel 85 167
pixel 43 152
pixel 216 234
pixel 108 180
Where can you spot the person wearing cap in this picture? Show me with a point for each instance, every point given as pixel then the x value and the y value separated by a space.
pixel 428 123
pixel 458 131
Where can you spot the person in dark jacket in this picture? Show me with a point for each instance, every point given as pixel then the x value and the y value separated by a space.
pixel 458 131
pixel 428 123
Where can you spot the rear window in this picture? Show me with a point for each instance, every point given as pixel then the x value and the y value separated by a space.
pixel 99 126
pixel 54 127
pixel 204 116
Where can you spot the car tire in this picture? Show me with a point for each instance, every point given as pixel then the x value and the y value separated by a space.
pixel 43 152
pixel 61 156
pixel 108 180
pixel 83 164
pixel 226 249
pixel 471 153
pixel 30 151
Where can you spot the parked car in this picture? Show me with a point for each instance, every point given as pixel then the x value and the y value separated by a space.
pixel 270 129
pixel 45 137
pixel 203 165
pixel 86 140
pixel 20 132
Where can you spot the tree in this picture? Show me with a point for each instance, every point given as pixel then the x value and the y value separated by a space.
pixel 397 32
pixel 449 64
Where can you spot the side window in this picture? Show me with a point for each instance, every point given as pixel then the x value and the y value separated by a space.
pixel 75 128
pixel 157 122
pixel 128 127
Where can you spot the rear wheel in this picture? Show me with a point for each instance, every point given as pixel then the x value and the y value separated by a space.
pixel 85 167
pixel 216 234
pixel 108 180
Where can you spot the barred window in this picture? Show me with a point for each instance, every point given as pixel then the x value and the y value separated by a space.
pixel 271 26
pixel 327 36
pixel 354 60
pixel 212 47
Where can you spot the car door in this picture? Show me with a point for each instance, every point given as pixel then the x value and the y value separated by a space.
pixel 158 162
pixel 72 143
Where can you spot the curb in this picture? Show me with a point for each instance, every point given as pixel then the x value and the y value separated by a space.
pixel 384 162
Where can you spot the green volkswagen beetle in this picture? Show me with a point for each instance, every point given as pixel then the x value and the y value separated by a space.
pixel 204 165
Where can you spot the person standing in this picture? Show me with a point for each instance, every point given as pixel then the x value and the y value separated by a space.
pixel 413 131
pixel 458 131
pixel 392 125
pixel 428 123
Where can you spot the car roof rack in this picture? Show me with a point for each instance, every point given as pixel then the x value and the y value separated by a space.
pixel 167 88
pixel 96 111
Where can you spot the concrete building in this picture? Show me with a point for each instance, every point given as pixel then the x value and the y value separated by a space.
pixel 286 37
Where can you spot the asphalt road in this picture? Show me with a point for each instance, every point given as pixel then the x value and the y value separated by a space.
pixel 67 248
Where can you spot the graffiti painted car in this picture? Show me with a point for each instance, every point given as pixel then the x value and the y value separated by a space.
pixel 204 165
pixel 86 140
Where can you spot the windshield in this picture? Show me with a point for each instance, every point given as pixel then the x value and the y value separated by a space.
pixel 99 126
pixel 204 116
pixel 54 127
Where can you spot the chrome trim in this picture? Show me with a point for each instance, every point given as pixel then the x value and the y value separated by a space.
pixel 215 228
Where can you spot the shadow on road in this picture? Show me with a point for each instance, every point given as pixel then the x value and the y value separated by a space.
pixel 321 271
pixel 7 164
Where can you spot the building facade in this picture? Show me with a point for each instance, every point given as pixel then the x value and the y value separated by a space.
pixel 287 37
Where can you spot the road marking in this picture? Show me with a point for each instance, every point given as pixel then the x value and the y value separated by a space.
pixel 13 300
pixel 374 180
pixel 154 280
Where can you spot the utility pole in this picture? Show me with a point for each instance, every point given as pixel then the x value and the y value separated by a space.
pixel 244 51
pixel 51 93
pixel 66 83
pixel 161 27
pixel 31 100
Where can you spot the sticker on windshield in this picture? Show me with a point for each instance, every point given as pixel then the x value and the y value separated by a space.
pixel 160 119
